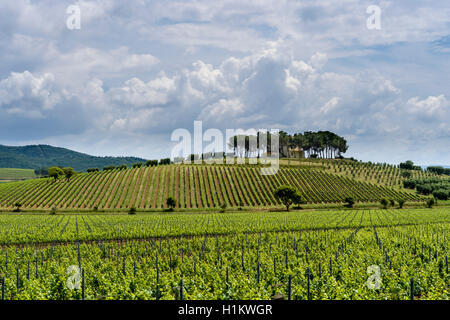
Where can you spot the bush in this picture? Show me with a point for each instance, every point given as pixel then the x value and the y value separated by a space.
pixel 53 211
pixel 151 163
pixel 441 194
pixel 171 203
pixel 349 202
pixel 17 206
pixel 132 210
pixel 430 203
pixel 384 202
pixel 223 207
pixel 392 202
pixel 401 202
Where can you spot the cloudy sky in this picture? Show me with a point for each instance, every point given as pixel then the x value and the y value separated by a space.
pixel 137 70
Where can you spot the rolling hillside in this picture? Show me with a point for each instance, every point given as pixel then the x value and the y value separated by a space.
pixel 193 186
pixel 39 156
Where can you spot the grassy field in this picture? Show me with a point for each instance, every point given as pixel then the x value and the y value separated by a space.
pixel 11 174
pixel 234 255
pixel 192 186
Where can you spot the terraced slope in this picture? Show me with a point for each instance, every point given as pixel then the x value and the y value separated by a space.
pixel 193 186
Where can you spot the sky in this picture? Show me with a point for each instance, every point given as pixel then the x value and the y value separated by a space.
pixel 135 71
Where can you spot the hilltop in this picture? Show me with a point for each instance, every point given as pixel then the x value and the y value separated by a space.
pixel 41 156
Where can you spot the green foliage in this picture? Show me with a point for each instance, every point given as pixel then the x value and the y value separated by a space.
pixel 439 188
pixel 384 202
pixel 409 165
pixel 171 203
pixel 17 206
pixel 151 163
pixel 223 207
pixel 349 202
pixel 164 161
pixel 430 202
pixel 228 256
pixel 55 173
pixel 401 202
pixel 68 173
pixel 439 170
pixel 132 210
pixel 287 195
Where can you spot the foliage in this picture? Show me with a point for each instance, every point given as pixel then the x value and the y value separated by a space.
pixel 287 195
pixel 384 202
pixel 253 258
pixel 171 202
pixel 349 202
pixel 55 173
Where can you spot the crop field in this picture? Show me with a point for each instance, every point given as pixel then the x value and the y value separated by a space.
pixel 236 255
pixel 192 186
pixel 7 174
pixel 380 174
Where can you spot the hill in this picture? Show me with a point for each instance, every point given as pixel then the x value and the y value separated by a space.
pixel 40 156
pixel 193 186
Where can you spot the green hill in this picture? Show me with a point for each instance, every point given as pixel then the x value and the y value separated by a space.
pixel 40 156
pixel 192 186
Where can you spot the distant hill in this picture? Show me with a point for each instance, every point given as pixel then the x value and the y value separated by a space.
pixel 40 156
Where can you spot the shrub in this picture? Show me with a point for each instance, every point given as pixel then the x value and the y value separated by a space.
pixel 349 202
pixel 17 206
pixel 392 202
pixel 171 203
pixel 401 202
pixel 384 202
pixel 223 207
pixel 53 211
pixel 430 203
pixel 132 210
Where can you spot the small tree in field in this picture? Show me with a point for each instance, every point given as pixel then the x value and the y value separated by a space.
pixel 223 207
pixel 287 195
pixel 392 202
pixel 401 202
pixel 384 202
pixel 69 173
pixel 132 210
pixel 430 203
pixel 55 173
pixel 171 203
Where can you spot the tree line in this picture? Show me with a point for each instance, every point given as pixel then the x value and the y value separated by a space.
pixel 321 144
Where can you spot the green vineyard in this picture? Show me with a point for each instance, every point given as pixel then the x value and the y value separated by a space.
pixel 192 186
pixel 305 255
